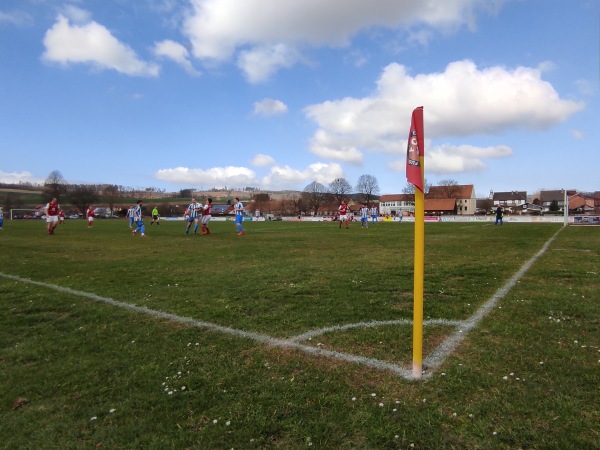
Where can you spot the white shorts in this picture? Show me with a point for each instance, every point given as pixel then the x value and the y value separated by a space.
pixel 343 218
pixel 90 219
pixel 51 219
pixel 206 219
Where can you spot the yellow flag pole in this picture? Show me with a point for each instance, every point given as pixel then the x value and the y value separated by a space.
pixel 419 276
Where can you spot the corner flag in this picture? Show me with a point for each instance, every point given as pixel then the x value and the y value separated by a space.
pixel 415 174
pixel 415 151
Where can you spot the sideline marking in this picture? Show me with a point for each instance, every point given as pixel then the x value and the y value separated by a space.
pixel 431 362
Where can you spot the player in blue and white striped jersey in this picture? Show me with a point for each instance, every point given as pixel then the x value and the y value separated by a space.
pixel 192 214
pixel 137 217
pixel 238 209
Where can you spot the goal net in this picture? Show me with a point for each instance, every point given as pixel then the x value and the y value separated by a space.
pixel 22 213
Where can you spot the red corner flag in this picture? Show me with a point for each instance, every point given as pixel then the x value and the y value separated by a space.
pixel 415 151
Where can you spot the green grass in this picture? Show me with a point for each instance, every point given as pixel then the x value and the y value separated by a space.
pixel 526 377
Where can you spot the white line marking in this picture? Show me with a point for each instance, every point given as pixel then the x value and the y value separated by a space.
pixel 439 355
pixel 431 362
pixel 262 338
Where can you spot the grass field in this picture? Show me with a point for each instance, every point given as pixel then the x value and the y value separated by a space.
pixel 220 341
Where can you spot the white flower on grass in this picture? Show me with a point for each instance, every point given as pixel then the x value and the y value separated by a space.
pixel 112 410
pixel 505 377
pixel 228 423
pixel 381 405
pixel 353 399
pixel 215 421
pixel 93 418
pixel 394 410
pixel 183 388
pixel 373 394
pixel 170 392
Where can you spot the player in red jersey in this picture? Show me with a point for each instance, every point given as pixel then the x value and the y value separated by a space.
pixel 344 210
pixel 90 216
pixel 206 216
pixel 52 210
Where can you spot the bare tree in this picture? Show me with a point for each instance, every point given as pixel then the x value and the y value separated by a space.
pixel 82 196
pixel 368 187
pixel 111 192
pixel 315 195
pixel 445 189
pixel 410 188
pixel 340 188
pixel 55 186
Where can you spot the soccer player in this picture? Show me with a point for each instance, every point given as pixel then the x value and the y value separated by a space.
pixel 193 215
pixel 364 216
pixel 374 215
pixel 238 209
pixel 206 216
pixel 137 217
pixel 1 218
pixel 51 211
pixel 130 215
pixel 155 216
pixel 61 217
pixel 344 210
pixel 90 216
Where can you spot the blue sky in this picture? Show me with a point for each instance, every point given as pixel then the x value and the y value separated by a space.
pixel 275 94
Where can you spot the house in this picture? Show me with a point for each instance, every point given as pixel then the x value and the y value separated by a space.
pixel 581 204
pixel 557 197
pixel 513 202
pixel 397 204
pixel 440 206
pixel 464 194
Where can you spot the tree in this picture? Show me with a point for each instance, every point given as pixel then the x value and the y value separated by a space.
pixel 55 186
pixel 368 187
pixel 340 188
pixel 111 192
pixel 261 201
pixel 410 188
pixel 447 189
pixel 554 206
pixel 82 196
pixel 315 194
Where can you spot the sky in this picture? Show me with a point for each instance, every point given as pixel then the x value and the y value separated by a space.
pixel 272 94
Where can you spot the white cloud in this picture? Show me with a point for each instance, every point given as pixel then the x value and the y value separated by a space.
pixel 77 15
pixel 577 134
pixel 461 101
pixel 283 177
pixel 175 52
pixel 262 160
pixel 448 159
pixel 261 62
pixel 19 177
pixel 92 43
pixel 18 18
pixel 269 107
pixel 331 147
pixel 278 29
pixel 214 177
pixel 278 177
